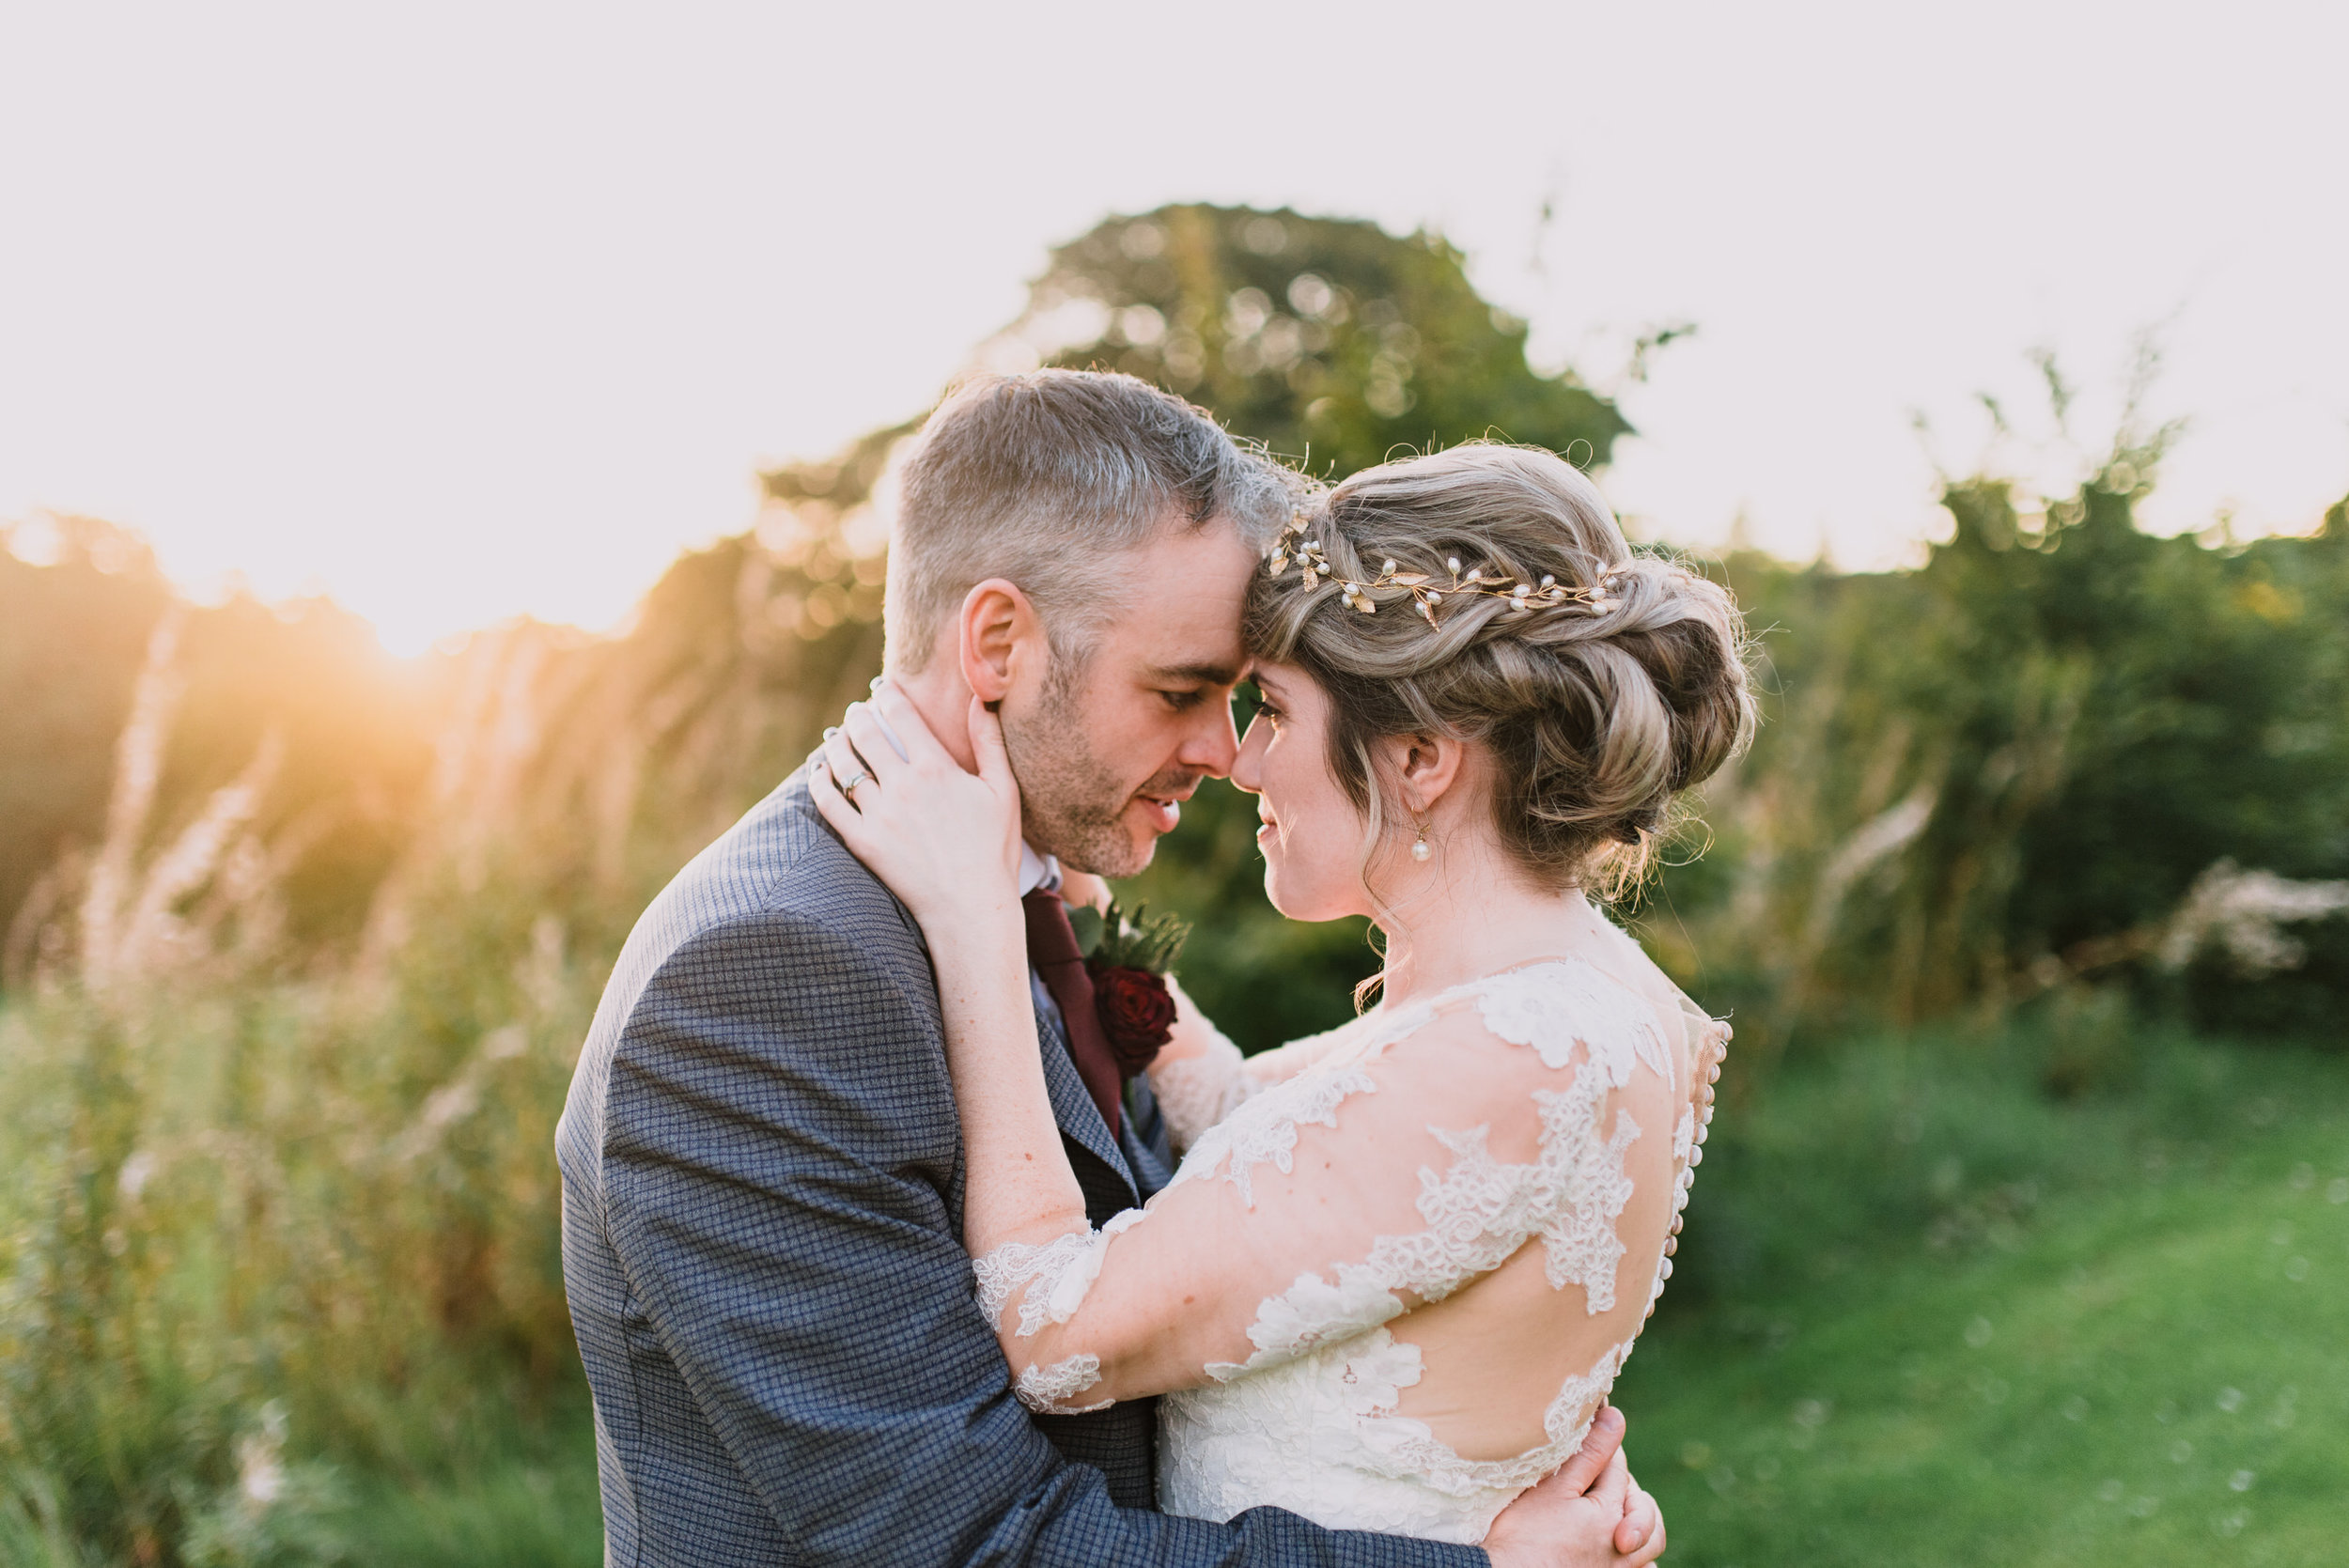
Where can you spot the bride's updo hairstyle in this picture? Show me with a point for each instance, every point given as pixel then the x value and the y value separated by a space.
pixel 1507 611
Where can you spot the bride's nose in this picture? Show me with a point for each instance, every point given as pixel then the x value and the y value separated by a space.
pixel 1247 762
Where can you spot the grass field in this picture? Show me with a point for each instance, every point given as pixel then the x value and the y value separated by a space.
pixel 1945 1320
pixel 1928 1314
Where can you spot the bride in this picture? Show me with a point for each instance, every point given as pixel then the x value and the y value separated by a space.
pixel 1401 1262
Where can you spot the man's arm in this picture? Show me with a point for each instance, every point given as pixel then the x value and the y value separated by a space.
pixel 777 1135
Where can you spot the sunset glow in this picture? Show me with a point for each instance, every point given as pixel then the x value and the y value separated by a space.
pixel 459 315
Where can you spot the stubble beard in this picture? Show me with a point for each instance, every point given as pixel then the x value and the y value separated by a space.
pixel 1072 805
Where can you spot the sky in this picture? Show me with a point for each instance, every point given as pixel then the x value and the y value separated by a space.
pixel 462 311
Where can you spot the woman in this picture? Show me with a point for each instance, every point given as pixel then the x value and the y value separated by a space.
pixel 1401 1262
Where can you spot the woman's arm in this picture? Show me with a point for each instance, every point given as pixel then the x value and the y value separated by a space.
pixel 1338 1204
pixel 947 842
pixel 1019 1187
pixel 1201 1078
pixel 1199 1075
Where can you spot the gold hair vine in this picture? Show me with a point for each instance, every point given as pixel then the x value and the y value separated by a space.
pixel 1297 545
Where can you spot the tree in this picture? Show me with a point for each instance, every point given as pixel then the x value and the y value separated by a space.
pixel 2006 773
pixel 1329 340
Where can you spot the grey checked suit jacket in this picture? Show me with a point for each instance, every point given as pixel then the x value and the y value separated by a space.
pixel 762 1195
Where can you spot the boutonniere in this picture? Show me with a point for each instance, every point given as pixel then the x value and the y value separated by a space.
pixel 1129 957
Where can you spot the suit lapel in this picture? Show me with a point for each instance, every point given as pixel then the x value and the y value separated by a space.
pixel 1142 1136
pixel 1073 1106
pixel 1073 1109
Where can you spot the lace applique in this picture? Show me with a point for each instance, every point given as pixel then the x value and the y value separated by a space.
pixel 1553 1007
pixel 1198 1091
pixel 1047 1392
pixel 1311 1313
pixel 1476 1214
pixel 1479 1212
pixel 1263 1130
pixel 1377 1372
pixel 1583 1190
pixel 1014 1265
pixel 1316 1424
pixel 1406 1447
pixel 1066 1265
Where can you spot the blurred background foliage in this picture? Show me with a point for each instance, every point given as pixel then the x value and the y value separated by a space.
pixel 1330 341
pixel 301 940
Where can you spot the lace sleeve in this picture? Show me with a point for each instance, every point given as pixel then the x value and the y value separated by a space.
pixel 1198 1091
pixel 1047 1284
pixel 1371 1182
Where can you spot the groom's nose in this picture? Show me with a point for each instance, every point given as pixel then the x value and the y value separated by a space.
pixel 1213 745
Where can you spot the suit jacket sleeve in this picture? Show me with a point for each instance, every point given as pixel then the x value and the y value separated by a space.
pixel 778 1166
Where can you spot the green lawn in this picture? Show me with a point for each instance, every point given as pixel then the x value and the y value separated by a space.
pixel 1959 1324
pixel 1926 1314
pixel 522 1516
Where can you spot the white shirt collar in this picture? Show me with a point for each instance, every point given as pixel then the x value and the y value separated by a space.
pixel 1038 871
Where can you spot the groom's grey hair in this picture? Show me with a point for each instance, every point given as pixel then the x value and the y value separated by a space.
pixel 1051 480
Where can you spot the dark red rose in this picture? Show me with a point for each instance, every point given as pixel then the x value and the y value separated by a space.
pixel 1137 1014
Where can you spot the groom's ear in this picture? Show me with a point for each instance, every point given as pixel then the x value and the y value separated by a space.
pixel 998 632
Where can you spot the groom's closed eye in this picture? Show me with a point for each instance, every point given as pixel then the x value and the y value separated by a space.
pixel 1184 687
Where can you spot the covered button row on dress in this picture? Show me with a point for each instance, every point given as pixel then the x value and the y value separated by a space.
pixel 1687 1180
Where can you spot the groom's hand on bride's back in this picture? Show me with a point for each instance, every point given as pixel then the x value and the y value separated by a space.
pixel 1590 1515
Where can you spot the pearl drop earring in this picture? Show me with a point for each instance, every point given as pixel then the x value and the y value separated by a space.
pixel 1420 850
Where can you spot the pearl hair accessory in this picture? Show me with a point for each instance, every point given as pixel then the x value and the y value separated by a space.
pixel 1296 545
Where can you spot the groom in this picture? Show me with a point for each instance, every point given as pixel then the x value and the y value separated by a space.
pixel 762 1169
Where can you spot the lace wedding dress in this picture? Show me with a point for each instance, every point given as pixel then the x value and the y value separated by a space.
pixel 1342 1281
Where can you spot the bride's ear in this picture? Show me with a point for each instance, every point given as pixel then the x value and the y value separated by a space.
pixel 1426 766
pixel 995 630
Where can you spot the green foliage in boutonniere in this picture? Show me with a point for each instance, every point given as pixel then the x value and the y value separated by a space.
pixel 1116 940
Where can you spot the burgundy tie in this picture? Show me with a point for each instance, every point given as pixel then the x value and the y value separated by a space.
pixel 1052 949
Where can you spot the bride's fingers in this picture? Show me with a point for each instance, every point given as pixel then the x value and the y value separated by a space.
pixel 916 742
pixel 845 765
pixel 828 804
pixel 987 745
pixel 1081 889
pixel 863 730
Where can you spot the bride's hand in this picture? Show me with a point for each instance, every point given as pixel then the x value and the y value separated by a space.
pixel 944 840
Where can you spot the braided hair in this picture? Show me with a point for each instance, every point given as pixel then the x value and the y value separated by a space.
pixel 1486 593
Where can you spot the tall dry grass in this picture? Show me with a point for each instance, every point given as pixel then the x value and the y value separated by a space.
pixel 281 1216
pixel 257 1215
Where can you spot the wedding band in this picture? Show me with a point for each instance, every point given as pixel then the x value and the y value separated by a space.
pixel 849 788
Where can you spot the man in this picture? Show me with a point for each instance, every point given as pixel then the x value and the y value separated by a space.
pixel 761 1161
